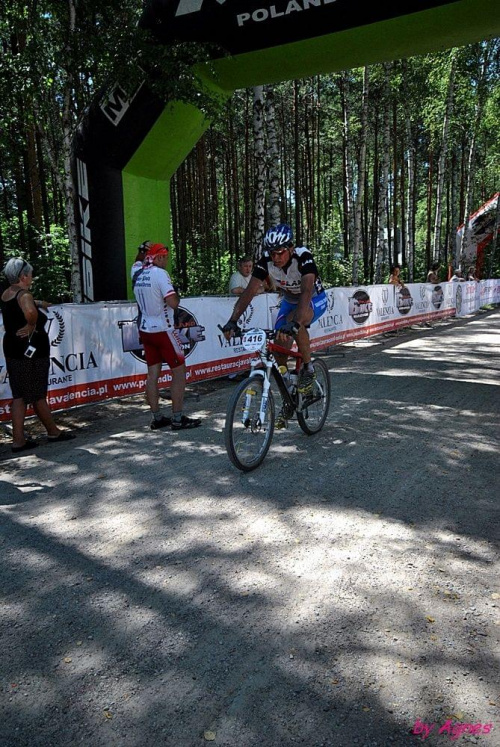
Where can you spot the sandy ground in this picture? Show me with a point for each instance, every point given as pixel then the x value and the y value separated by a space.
pixel 345 593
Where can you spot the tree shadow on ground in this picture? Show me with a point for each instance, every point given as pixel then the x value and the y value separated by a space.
pixel 152 594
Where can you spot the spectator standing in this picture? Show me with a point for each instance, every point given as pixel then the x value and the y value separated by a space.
pixel 26 348
pixel 154 291
pixel 239 280
pixel 457 277
pixel 433 274
pixel 394 278
pixel 471 274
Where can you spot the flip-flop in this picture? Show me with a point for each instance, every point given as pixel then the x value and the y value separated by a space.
pixel 63 436
pixel 30 444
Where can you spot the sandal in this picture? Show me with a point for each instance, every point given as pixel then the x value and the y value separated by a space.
pixel 63 436
pixel 30 444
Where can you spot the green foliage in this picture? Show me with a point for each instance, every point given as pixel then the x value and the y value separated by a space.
pixel 203 280
pixel 327 248
pixel 336 271
pixel 52 267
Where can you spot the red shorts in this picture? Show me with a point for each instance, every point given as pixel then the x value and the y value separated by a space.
pixel 162 347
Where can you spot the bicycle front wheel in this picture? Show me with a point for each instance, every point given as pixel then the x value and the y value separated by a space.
pixel 247 437
pixel 314 409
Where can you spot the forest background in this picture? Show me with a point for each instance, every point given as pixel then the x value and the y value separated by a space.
pixel 370 166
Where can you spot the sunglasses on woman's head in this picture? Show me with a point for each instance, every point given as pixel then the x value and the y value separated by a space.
pixel 24 266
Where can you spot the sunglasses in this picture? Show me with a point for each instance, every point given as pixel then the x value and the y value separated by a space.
pixel 24 266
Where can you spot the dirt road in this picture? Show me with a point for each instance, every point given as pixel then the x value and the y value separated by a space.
pixel 345 593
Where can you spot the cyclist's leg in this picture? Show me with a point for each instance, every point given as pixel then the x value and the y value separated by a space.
pixel 317 308
pixel 303 341
pixel 285 314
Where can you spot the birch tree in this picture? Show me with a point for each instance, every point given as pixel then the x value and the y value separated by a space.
pixel 347 163
pixel 274 200
pixel 69 50
pixel 260 170
pixel 382 243
pixel 437 253
pixel 361 178
pixel 479 102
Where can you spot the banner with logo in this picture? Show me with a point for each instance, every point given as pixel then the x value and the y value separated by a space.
pixel 470 296
pixel 96 354
pixel 480 230
pixel 359 312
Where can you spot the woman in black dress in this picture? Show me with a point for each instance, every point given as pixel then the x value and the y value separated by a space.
pixel 26 348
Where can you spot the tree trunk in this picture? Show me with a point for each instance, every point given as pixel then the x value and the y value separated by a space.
pixel 297 163
pixel 361 179
pixel 274 202
pixel 260 172
pixel 382 244
pixel 472 149
pixel 437 253
pixel 428 238
pixel 346 160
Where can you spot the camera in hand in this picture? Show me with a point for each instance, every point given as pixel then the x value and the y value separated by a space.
pixel 30 351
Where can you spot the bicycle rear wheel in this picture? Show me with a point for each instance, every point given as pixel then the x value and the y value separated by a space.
pixel 247 438
pixel 314 410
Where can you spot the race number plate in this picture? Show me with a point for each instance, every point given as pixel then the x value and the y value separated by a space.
pixel 253 340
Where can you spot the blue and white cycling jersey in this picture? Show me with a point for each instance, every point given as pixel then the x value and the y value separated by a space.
pixel 287 279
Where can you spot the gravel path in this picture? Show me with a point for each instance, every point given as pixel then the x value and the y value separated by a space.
pixel 345 593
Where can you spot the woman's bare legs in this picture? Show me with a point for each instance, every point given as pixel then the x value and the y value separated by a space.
pixel 18 415
pixel 44 414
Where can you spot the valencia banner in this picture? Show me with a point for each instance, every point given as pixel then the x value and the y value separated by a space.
pixel 96 354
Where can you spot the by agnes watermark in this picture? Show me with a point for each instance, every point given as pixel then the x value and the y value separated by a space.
pixel 451 729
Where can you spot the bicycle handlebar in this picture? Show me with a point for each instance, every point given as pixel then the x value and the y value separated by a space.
pixel 270 333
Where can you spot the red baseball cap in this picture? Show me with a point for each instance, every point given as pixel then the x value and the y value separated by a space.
pixel 157 250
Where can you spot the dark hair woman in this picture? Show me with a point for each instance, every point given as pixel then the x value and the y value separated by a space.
pixel 26 348
pixel 394 278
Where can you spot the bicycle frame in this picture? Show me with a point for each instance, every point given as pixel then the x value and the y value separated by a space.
pixel 251 413
pixel 271 368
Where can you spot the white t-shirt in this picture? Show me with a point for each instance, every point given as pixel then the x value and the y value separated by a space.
pixel 135 267
pixel 238 281
pixel 152 287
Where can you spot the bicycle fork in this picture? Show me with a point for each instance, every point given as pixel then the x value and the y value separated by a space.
pixel 250 394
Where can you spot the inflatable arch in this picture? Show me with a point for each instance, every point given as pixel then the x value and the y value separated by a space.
pixel 131 144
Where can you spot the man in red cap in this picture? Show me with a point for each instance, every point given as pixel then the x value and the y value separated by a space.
pixel 154 292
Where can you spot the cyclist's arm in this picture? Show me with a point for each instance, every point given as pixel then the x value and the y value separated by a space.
pixel 303 313
pixel 241 304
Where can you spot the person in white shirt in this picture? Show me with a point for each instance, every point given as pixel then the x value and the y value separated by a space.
pixel 458 277
pixel 154 291
pixel 237 284
pixel 239 280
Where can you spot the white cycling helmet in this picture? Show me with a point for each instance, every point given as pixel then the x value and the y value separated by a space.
pixel 278 237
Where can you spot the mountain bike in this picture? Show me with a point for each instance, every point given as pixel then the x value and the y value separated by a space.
pixel 251 412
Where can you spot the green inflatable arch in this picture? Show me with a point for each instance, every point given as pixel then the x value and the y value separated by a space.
pixel 125 161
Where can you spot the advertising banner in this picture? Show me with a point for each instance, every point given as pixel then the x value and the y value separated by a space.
pixel 480 230
pixel 240 27
pixel 96 353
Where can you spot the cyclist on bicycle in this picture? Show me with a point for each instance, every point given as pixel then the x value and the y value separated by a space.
pixel 294 273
